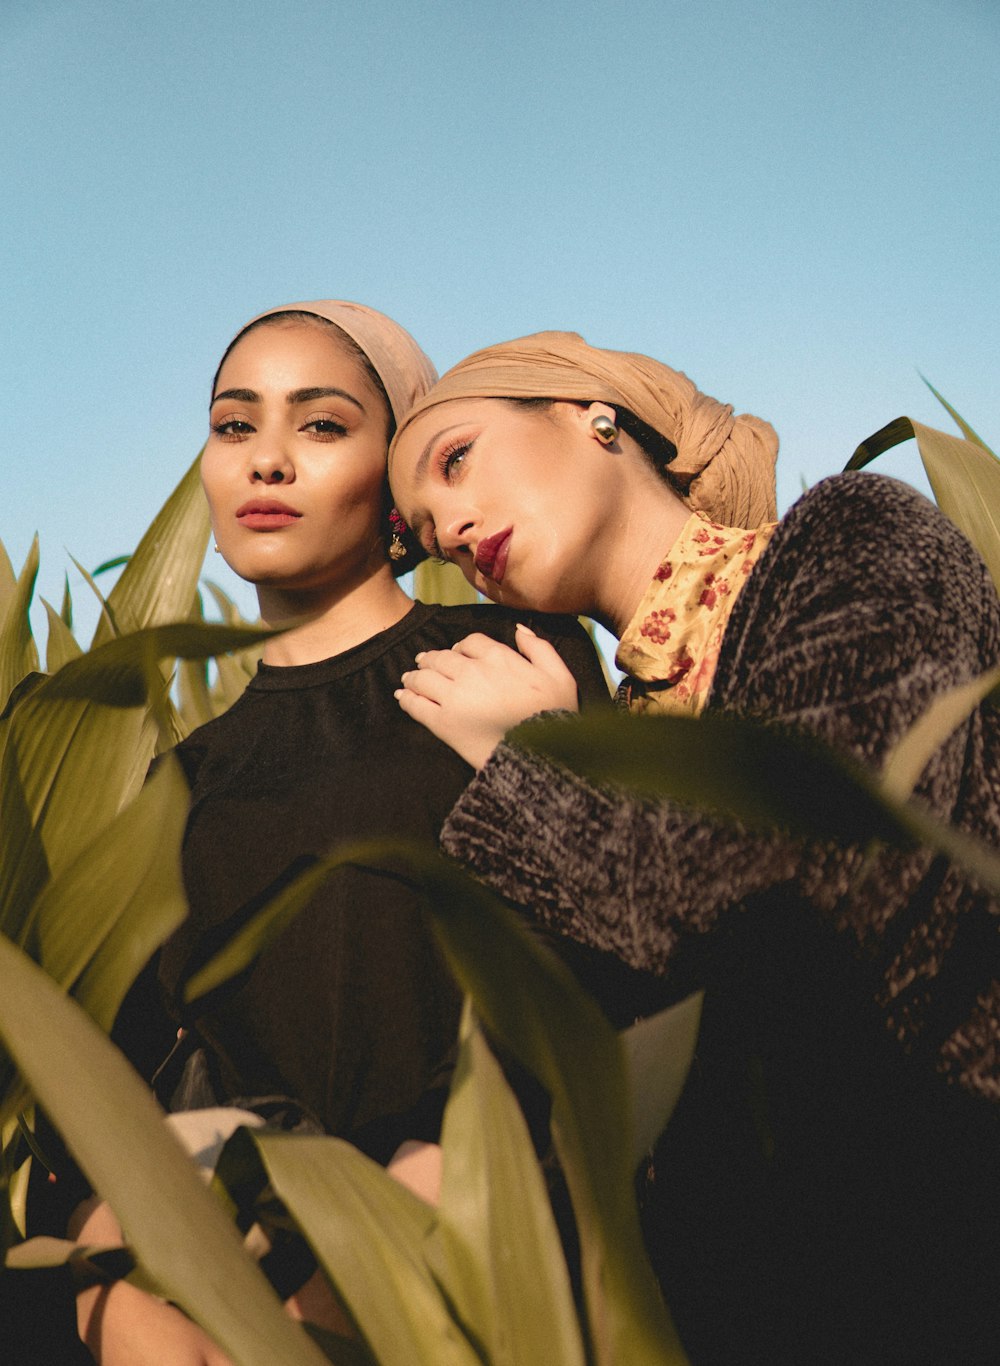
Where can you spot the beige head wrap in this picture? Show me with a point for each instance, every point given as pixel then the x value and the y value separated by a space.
pixel 725 462
pixel 405 372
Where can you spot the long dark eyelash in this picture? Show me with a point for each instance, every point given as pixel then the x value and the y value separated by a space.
pixel 447 455
pixel 336 428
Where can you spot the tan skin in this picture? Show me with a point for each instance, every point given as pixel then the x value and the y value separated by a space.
pixel 295 421
pixel 589 524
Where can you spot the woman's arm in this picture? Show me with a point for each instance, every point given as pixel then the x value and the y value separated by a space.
pixel 866 606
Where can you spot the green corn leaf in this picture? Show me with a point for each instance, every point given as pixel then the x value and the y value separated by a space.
pixel 106 624
pixel 77 761
pixel 265 927
pixel 18 656
pixel 794 784
pixel 176 1229
pixel 233 673
pixel 99 922
pixel 159 582
pixel 531 1003
pixel 76 764
pixel 24 868
pixel 658 1054
pixel 909 758
pixel 760 775
pixel 964 475
pixel 95 924
pixel 66 611
pixel 125 672
pixel 764 778
pixel 368 1231
pixel 62 645
pixel 495 1247
pixel 227 609
pixel 107 565
pixel 195 704
pixel 8 581
pixel 960 421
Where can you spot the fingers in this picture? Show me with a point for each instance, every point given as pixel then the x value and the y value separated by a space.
pixel 540 652
pixel 545 657
pixel 427 683
pixel 447 663
pixel 478 646
pixel 420 708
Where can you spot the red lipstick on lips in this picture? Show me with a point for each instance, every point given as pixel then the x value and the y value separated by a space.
pixel 491 555
pixel 266 514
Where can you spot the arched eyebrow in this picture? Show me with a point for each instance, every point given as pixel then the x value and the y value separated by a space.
pixel 423 459
pixel 296 396
pixel 309 395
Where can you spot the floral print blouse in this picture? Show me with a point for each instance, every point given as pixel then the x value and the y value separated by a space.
pixel 670 648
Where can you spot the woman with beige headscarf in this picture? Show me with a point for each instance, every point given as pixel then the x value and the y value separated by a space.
pixel 828 1189
pixel 346 1024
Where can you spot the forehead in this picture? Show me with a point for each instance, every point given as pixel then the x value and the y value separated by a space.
pixel 297 345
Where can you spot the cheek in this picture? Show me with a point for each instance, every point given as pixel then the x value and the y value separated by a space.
pixel 355 488
pixel 401 490
pixel 212 472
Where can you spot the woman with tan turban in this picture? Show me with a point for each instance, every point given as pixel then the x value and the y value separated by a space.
pixel 347 1023
pixel 828 1189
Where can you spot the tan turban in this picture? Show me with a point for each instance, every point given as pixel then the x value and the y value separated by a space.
pixel 405 372
pixel 725 461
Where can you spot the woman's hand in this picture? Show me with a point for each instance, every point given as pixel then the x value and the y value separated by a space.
pixel 471 695
pixel 123 1326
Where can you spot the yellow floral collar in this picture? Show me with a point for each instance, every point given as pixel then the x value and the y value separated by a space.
pixel 671 646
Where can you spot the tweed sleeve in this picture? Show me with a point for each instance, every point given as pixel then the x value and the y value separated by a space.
pixel 866 605
pixel 620 875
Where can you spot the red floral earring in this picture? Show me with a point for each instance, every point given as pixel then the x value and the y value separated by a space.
pixel 399 529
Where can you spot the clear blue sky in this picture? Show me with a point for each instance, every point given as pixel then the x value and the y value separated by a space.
pixel 796 203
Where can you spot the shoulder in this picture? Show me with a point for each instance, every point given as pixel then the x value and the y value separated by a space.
pixel 873 505
pixel 859 524
pixel 215 737
pixel 872 499
pixel 501 622
pixel 565 633
pixel 864 562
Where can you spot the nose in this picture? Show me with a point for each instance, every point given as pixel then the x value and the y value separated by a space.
pixel 459 533
pixel 270 465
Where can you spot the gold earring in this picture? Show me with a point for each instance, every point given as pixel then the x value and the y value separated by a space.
pixel 604 429
pixel 216 548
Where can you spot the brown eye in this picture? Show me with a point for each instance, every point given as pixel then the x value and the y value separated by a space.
pixel 325 427
pixel 233 429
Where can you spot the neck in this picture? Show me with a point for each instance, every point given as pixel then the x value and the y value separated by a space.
pixel 644 527
pixel 329 620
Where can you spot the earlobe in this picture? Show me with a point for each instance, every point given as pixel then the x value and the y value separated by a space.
pixel 602 422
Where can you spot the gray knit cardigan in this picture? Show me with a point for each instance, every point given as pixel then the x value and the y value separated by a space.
pixel 866 605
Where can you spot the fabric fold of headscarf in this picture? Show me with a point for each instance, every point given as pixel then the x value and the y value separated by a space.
pixel 405 371
pixel 725 461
